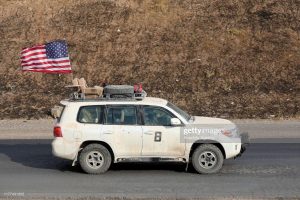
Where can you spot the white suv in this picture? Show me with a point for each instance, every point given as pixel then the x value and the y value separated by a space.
pixel 99 132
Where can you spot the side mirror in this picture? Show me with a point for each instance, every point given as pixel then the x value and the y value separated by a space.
pixel 175 122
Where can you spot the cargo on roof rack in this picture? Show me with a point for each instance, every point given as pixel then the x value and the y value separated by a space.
pixel 113 92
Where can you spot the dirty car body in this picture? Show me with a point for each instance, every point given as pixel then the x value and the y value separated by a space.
pixel 97 133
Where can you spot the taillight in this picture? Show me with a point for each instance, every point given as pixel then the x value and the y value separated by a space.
pixel 57 131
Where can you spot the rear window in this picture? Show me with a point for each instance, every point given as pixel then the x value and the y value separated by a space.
pixel 90 114
pixel 120 115
pixel 57 112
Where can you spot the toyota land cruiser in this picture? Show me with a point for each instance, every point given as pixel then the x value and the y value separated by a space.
pixel 97 133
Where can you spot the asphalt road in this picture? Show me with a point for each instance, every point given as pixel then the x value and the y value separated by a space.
pixel 266 170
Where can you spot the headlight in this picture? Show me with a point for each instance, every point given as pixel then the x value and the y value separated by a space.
pixel 227 133
pixel 230 132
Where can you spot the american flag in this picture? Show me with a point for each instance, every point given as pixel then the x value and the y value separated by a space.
pixel 48 58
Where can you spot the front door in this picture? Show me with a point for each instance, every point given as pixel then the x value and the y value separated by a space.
pixel 160 138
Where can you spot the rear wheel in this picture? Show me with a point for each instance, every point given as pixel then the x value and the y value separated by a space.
pixel 207 159
pixel 95 159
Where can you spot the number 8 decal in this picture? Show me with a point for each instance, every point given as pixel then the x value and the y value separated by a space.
pixel 157 137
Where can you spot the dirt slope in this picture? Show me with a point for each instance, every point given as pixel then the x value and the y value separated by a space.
pixel 228 58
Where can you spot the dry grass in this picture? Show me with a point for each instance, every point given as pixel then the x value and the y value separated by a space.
pixel 218 58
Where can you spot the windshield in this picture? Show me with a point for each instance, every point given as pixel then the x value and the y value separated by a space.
pixel 179 111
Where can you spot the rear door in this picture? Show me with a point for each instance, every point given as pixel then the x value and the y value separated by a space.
pixel 122 125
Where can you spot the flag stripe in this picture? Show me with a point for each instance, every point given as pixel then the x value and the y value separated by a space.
pixel 46 65
pixel 40 69
pixel 33 54
pixel 26 50
pixel 49 68
pixel 44 60
pixel 50 72
pixel 34 51
pixel 38 56
pixel 48 61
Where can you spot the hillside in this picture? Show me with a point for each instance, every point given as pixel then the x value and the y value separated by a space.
pixel 233 58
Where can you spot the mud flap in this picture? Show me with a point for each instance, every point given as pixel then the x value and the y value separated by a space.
pixel 245 142
pixel 187 166
pixel 76 158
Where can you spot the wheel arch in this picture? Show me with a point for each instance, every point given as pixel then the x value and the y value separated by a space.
pixel 201 142
pixel 88 142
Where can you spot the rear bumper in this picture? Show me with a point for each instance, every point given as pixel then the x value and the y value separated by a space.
pixel 245 142
pixel 63 149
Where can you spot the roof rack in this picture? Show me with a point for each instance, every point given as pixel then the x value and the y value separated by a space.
pixel 75 96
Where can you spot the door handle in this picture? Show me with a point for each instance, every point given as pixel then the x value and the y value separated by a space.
pixel 107 132
pixel 149 133
pixel 126 131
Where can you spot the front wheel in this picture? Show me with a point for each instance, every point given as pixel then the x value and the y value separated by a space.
pixel 207 159
pixel 95 159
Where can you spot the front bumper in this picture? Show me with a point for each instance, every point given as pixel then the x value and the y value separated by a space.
pixel 245 142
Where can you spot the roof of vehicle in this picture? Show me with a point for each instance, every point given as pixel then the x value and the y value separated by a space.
pixel 145 101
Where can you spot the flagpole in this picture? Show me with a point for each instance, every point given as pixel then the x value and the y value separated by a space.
pixel 72 77
pixel 41 39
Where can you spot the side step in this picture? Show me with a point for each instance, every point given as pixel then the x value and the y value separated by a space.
pixel 152 159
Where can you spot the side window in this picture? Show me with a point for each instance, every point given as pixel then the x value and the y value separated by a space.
pixel 90 114
pixel 119 115
pixel 155 116
pixel 59 112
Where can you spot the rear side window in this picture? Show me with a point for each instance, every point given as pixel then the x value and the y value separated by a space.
pixel 90 114
pixel 120 115
pixel 60 111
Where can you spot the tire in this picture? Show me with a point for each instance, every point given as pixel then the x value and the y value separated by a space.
pixel 211 159
pixel 118 89
pixel 95 159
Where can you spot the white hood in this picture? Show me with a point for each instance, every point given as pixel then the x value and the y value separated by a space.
pixel 214 121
